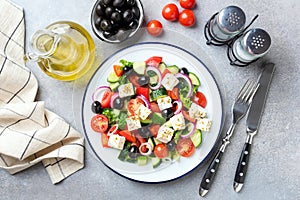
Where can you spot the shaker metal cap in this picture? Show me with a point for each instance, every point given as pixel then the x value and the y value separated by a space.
pixel 231 19
pixel 256 41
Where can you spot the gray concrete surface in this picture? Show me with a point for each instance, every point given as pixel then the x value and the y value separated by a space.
pixel 274 171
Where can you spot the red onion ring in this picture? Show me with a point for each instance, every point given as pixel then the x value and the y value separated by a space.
pixel 189 82
pixel 98 90
pixel 179 108
pixel 148 146
pixel 144 99
pixel 156 70
pixel 191 131
pixel 113 97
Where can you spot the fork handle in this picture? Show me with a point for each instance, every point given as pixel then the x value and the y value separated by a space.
pixel 210 173
pixel 242 167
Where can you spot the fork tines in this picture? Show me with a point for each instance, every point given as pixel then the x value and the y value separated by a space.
pixel 247 92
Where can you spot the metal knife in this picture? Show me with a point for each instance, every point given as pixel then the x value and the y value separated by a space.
pixel 253 121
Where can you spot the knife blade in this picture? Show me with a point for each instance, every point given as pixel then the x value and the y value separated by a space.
pixel 253 121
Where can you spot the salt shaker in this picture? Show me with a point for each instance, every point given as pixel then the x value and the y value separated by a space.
pixel 226 24
pixel 252 45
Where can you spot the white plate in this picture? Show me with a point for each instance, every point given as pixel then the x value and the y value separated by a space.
pixel 172 55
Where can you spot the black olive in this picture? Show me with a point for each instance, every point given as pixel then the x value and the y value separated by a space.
pixel 107 34
pixel 136 12
pixel 127 69
pixel 116 17
pixel 98 22
pixel 184 71
pixel 133 151
pixel 122 34
pixel 118 3
pixel 107 2
pixel 96 107
pixel 133 24
pixel 143 80
pixel 144 132
pixel 171 145
pixel 130 2
pixel 105 25
pixel 118 103
pixel 128 15
pixel 99 10
pixel 167 113
pixel 109 11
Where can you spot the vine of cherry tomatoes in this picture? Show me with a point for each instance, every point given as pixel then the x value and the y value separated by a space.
pixel 171 12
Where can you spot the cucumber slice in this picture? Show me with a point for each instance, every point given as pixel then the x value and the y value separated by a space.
pixel 114 86
pixel 146 121
pixel 173 69
pixel 113 78
pixel 195 80
pixel 151 142
pixel 162 66
pixel 139 67
pixel 197 138
pixel 155 162
pixel 158 119
pixel 142 160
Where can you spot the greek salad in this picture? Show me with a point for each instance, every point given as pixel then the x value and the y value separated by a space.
pixel 150 111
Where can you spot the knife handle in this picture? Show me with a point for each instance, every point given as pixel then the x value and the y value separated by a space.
pixel 242 167
pixel 210 173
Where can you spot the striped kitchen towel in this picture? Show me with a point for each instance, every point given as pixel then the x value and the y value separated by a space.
pixel 29 133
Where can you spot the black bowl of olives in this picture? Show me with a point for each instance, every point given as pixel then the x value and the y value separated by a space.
pixel 114 21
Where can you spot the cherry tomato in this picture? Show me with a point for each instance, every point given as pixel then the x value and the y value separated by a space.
pixel 104 140
pixel 174 94
pixel 154 61
pixel 187 18
pixel 161 151
pixel 134 104
pixel 154 107
pixel 154 129
pixel 187 4
pixel 118 70
pixel 185 147
pixel 143 91
pixel 200 99
pixel 170 12
pixel 166 71
pixel 113 130
pixel 99 123
pixel 154 27
pixel 128 136
pixel 105 102
pixel 187 116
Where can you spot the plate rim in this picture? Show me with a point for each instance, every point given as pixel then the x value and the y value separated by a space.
pixel 153 43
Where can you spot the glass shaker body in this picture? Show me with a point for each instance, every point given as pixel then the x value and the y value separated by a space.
pixel 229 22
pixel 254 44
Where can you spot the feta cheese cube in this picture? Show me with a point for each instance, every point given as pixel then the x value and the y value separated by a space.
pixel 165 134
pixel 196 111
pixel 133 123
pixel 178 122
pixel 143 112
pixel 203 124
pixel 126 90
pixel 116 141
pixel 169 81
pixel 164 103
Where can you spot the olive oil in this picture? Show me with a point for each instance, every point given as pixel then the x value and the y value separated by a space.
pixel 66 50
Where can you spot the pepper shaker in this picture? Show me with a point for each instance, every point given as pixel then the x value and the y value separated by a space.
pixel 252 45
pixel 226 24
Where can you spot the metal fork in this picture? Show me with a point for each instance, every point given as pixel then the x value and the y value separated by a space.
pixel 239 109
